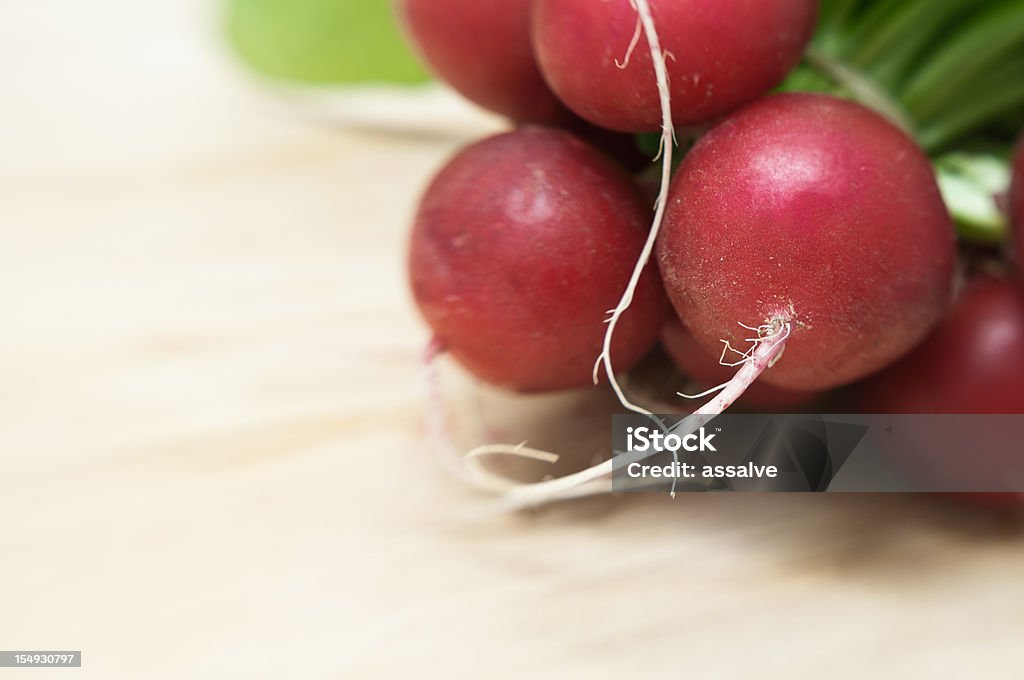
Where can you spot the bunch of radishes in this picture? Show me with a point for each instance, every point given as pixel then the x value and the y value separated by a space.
pixel 804 241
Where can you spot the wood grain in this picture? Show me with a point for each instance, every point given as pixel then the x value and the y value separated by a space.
pixel 211 457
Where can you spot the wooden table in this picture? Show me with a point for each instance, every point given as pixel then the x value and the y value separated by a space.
pixel 212 462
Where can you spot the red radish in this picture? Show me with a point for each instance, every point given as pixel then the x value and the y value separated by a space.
pixel 719 53
pixel 482 49
pixel 972 363
pixel 707 370
pixel 521 245
pixel 815 215
pixel 1017 201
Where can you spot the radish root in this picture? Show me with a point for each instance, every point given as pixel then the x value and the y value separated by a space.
pixel 765 350
pixel 436 418
pixel 764 332
pixel 646 21
pixel 632 45
pixel 465 467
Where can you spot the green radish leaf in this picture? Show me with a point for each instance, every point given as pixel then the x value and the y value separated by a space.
pixel 970 184
pixel 322 41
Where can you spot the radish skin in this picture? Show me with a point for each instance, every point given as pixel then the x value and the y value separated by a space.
pixel 817 212
pixel 520 245
pixel 720 54
pixel 972 363
pixel 482 49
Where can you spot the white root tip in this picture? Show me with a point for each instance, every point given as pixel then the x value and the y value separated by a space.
pixel 716 388
pixel 520 450
pixel 632 46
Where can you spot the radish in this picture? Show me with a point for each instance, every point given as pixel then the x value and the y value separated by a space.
pixel 482 49
pixel 520 246
pixel 818 225
pixel 810 222
pixel 720 54
pixel 972 363
pixel 694 361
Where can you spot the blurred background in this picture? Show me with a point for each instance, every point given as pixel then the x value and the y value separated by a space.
pixel 212 458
